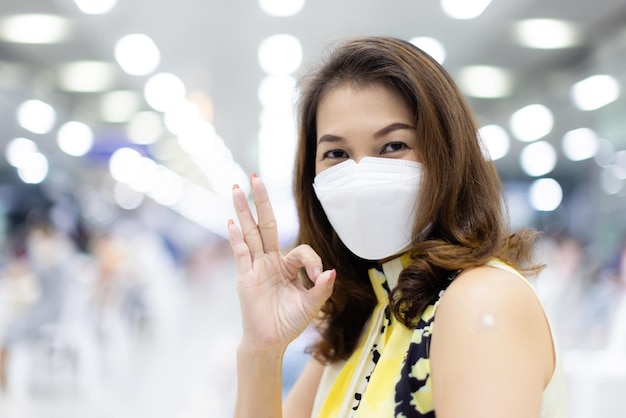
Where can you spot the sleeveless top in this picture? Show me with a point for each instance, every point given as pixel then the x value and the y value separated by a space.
pixel 388 375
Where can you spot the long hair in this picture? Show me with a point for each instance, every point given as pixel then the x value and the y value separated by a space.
pixel 461 201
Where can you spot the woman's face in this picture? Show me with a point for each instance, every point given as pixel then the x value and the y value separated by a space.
pixel 364 121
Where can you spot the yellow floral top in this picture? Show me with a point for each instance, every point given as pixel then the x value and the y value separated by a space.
pixel 388 375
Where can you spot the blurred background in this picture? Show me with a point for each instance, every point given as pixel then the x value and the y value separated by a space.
pixel 124 124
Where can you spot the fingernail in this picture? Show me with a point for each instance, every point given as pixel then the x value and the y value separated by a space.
pixel 253 176
pixel 235 186
pixel 231 222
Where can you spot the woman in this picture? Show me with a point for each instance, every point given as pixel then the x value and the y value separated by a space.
pixel 400 219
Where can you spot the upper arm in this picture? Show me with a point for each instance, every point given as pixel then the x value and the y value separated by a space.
pixel 491 349
pixel 299 401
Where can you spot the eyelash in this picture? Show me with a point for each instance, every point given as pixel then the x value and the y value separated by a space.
pixel 402 146
pixel 329 154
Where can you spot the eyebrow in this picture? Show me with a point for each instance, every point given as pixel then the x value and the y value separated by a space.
pixel 329 138
pixel 382 132
pixel 393 127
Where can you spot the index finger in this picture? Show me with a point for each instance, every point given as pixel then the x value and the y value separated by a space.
pixel 267 221
pixel 251 234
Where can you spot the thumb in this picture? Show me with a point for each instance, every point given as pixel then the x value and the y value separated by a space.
pixel 323 288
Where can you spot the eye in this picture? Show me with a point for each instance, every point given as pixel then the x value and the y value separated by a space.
pixel 335 153
pixel 394 146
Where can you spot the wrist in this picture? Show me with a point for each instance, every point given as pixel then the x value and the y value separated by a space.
pixel 259 381
pixel 248 347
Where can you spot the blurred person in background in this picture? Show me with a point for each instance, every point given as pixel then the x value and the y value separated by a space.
pixel 603 291
pixel 137 286
pixel 400 219
pixel 111 259
pixel 18 292
pixel 44 278
pixel 153 284
pixel 562 285
pixel 616 334
pixel 112 280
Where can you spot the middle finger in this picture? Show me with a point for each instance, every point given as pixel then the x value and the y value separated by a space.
pixel 267 221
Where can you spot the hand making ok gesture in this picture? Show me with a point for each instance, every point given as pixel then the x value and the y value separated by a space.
pixel 275 306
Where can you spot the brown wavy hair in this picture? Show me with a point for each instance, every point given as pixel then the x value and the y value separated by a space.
pixel 462 197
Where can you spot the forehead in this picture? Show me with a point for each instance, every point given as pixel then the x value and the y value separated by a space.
pixel 352 102
pixel 357 88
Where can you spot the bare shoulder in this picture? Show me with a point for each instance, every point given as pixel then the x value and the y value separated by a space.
pixel 490 335
pixel 490 300
pixel 489 287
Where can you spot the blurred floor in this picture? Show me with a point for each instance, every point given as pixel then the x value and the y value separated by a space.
pixel 187 371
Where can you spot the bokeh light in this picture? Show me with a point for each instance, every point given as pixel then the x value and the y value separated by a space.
pixel 538 158
pixel 280 54
pixel 545 194
pixel 75 138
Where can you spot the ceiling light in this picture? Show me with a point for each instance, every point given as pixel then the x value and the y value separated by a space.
pixel 75 138
pixel 580 144
pixel 33 169
pixel 277 146
pixel 280 54
pixel 531 122
pixel 35 29
pixel 124 165
pixel 87 76
pixel 137 54
pixel 594 92
pixel 164 91
pixel 464 9
pixel 19 148
pixel 277 91
pixel 281 8
pixel 183 118
pixel 495 142
pixel 546 34
pixel 95 7
pixel 202 143
pixel 545 194
pixel 538 158
pixel 148 180
pixel 431 46
pixel 36 116
pixel 485 81
pixel 280 120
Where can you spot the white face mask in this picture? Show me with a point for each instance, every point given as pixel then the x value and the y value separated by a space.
pixel 371 205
